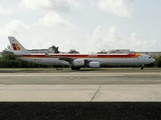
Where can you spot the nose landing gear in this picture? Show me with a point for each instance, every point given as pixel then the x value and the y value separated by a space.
pixel 142 67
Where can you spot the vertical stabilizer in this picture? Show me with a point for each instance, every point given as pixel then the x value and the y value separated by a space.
pixel 17 47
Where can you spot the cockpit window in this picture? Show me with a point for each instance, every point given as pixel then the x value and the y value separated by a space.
pixel 150 57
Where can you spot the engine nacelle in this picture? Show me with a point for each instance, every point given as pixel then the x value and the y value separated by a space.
pixel 79 62
pixel 94 64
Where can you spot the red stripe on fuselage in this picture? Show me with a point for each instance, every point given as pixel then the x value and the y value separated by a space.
pixel 83 55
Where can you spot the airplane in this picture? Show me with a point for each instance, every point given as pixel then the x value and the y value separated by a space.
pixel 77 61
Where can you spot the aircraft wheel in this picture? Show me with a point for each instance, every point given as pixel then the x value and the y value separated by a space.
pixel 75 68
pixel 142 67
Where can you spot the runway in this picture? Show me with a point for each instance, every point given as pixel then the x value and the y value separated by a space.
pixel 81 86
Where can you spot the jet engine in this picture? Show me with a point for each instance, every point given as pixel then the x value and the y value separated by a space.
pixel 94 64
pixel 79 62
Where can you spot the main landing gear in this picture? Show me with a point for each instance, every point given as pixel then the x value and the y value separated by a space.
pixel 142 67
pixel 75 68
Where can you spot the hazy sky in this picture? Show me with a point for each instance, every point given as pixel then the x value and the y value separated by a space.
pixel 83 25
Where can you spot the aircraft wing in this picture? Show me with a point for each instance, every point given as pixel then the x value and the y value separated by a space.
pixel 66 59
pixel 61 57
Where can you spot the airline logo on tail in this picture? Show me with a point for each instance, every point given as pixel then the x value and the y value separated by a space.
pixel 16 47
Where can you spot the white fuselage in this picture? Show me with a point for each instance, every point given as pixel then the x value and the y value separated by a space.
pixel 141 60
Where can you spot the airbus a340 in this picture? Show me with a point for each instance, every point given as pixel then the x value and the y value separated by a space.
pixel 77 61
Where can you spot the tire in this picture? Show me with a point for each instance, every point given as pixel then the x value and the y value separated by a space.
pixel 75 68
pixel 142 67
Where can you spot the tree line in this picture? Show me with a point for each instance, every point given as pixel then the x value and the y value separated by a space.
pixel 9 61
